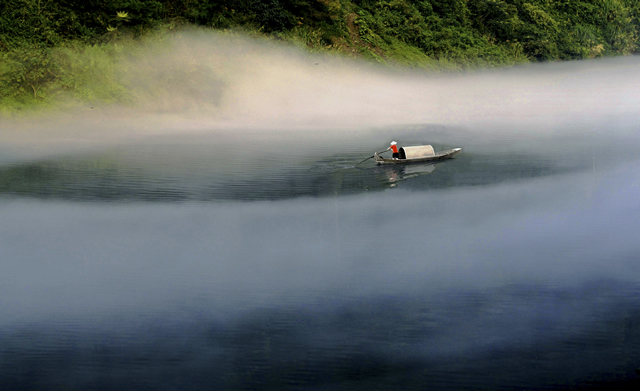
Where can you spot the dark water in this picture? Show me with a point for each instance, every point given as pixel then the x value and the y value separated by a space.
pixel 256 260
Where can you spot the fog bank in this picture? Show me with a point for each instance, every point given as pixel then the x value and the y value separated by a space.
pixel 197 81
pixel 87 259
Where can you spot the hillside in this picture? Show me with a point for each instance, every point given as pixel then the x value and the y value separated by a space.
pixel 50 47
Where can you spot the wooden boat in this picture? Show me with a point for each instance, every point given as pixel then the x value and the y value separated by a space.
pixel 417 154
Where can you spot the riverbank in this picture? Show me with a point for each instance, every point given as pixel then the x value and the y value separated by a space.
pixel 55 56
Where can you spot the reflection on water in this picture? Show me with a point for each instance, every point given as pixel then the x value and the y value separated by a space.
pixel 501 269
pixel 397 173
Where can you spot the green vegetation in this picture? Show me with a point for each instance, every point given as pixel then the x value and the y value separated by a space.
pixel 51 49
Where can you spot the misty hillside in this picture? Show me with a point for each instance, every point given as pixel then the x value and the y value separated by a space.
pixel 48 47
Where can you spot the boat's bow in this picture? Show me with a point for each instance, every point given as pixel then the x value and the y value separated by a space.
pixel 456 151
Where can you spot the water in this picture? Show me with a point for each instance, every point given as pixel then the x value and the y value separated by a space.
pixel 278 263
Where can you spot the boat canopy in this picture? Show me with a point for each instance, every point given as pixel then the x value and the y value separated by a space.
pixel 417 152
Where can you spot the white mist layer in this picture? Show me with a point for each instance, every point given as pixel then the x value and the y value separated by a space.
pixel 87 260
pixel 248 84
pixel 205 82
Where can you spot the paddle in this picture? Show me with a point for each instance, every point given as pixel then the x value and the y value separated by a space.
pixel 372 156
pixel 365 160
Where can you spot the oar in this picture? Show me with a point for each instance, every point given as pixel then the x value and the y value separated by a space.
pixel 365 160
pixel 371 157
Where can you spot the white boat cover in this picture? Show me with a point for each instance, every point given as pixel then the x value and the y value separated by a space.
pixel 418 151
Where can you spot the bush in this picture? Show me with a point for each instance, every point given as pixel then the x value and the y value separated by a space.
pixel 49 48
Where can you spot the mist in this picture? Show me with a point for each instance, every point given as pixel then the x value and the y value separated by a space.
pixel 204 82
pixel 278 251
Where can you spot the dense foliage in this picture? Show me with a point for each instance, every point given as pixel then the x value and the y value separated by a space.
pixel 58 45
pixel 53 22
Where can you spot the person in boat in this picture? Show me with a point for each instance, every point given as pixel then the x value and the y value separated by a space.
pixel 394 148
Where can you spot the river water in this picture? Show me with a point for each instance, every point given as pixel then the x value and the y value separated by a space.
pixel 262 260
pixel 278 263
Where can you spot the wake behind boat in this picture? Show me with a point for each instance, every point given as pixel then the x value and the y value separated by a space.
pixel 414 154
